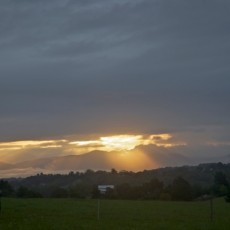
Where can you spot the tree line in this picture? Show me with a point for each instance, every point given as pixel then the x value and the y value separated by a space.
pixel 179 183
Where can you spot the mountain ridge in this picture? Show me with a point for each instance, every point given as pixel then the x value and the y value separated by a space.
pixel 141 158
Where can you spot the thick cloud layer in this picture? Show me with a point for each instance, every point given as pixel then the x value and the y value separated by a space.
pixel 107 66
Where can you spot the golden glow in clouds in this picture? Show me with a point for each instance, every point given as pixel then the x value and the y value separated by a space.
pixel 106 143
pixel 124 142
pixel 30 149
pixel 19 145
pixel 110 143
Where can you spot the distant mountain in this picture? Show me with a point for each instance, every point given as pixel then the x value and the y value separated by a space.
pixel 141 158
pixel 138 159
pixel 224 159
pixel 4 166
pixel 164 157
pixel 95 159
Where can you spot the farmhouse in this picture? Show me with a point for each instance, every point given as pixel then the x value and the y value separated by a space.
pixel 104 188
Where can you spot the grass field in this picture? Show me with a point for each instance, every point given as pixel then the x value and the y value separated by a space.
pixel 68 214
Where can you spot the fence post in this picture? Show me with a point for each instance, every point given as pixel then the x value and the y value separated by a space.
pixel 0 201
pixel 211 208
pixel 98 209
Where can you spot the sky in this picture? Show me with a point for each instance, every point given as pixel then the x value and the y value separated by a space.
pixel 74 71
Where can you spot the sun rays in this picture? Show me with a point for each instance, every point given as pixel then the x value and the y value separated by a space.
pixel 126 144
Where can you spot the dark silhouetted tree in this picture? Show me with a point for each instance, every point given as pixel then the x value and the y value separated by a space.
pixel 24 192
pixel 124 191
pixel 221 186
pixel 59 193
pixel 181 189
pixel 152 189
pixel 6 188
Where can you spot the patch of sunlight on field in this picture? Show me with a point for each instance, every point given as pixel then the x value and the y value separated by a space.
pixel 68 214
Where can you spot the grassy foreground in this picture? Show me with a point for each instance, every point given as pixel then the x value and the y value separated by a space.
pixel 68 214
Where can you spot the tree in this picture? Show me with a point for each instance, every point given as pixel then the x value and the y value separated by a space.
pixel 124 191
pixel 81 191
pixel 59 193
pixel 221 186
pixel 110 193
pixel 95 192
pixel 181 189
pixel 227 197
pixel 24 192
pixel 152 189
pixel 6 188
pixel 220 179
pixel 113 171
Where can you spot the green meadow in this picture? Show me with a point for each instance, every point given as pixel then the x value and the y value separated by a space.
pixel 68 214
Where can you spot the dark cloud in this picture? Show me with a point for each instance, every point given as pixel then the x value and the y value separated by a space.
pixel 81 67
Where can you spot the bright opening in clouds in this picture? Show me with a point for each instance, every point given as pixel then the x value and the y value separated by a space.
pixel 22 150
pixel 125 142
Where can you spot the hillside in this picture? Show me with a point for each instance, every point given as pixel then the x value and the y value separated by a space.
pixel 201 176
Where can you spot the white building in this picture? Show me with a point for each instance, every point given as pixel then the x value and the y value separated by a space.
pixel 104 188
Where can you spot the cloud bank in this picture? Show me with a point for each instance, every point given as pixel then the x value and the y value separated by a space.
pixel 109 67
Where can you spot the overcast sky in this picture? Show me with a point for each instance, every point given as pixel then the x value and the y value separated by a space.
pixel 83 67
